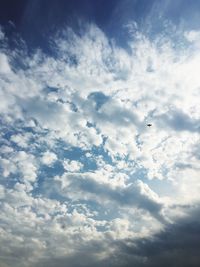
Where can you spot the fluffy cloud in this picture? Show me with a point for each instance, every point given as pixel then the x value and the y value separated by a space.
pixel 2 192
pixel 48 158
pixel 79 167
pixel 20 163
pixel 5 67
pixel 72 166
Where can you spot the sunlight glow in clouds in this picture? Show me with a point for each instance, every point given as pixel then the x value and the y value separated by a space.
pixel 80 171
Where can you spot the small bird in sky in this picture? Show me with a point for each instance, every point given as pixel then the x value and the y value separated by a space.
pixel 149 124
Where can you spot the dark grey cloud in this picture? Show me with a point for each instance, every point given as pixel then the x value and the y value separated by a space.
pixel 178 246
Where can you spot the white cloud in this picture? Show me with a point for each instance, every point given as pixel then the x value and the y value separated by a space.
pixel 192 36
pixel 6 149
pixel 26 165
pixel 2 192
pixel 7 167
pixel 72 166
pixel 121 178
pixel 48 158
pixel 4 66
pixel 20 140
pixel 2 35
pixel 20 163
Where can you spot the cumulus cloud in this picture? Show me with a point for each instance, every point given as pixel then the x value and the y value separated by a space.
pixel 20 140
pixel 4 67
pixel 79 167
pixel 48 158
pixel 72 166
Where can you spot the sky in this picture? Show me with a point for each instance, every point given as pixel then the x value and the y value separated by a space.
pixel 83 180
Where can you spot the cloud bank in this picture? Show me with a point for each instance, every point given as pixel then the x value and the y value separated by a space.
pixel 83 181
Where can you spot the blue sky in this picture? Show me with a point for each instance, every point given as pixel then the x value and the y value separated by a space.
pixel 83 180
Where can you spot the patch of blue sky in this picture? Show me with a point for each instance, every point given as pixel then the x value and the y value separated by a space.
pixel 161 187
pixel 49 89
pixel 50 193
pixel 99 98
pixel 85 156
pixel 72 153
pixel 48 172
